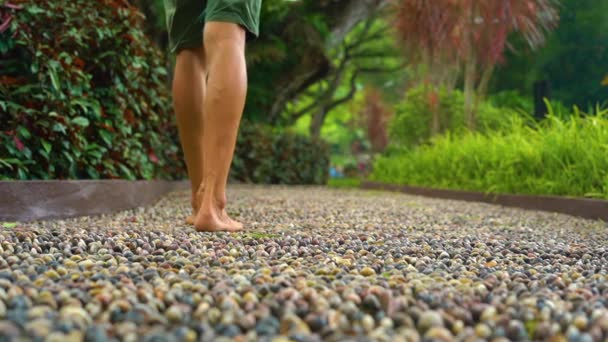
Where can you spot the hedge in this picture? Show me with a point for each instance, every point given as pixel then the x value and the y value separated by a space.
pixel 84 95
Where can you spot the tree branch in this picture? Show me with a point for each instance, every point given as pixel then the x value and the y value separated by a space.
pixel 347 97
pixel 372 54
pixel 380 70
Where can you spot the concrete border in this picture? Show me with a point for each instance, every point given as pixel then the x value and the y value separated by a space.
pixel 581 207
pixel 54 199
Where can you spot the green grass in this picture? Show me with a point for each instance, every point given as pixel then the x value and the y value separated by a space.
pixel 343 182
pixel 559 156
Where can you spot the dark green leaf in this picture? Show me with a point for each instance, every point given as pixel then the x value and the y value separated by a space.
pixel 81 121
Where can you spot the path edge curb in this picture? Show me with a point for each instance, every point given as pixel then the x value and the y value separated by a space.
pixel 35 200
pixel 594 209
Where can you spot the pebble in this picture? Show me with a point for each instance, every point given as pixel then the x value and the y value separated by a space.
pixel 174 314
pixel 482 330
pixel 75 315
pixel 439 334
pixel 367 272
pixel 292 324
pixel 315 264
pixel 367 322
pixel 430 319
pixel 580 322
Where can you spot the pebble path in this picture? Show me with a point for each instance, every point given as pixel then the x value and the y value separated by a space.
pixel 315 264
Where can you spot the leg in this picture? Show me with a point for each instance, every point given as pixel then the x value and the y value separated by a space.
pixel 223 108
pixel 188 98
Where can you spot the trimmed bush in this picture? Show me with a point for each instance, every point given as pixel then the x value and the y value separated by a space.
pixel 411 125
pixel 274 156
pixel 83 94
pixel 567 157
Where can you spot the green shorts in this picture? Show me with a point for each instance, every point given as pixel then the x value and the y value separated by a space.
pixel 186 19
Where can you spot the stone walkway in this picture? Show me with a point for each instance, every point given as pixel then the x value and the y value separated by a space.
pixel 315 264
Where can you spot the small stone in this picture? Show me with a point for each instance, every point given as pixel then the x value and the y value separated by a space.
pixel 62 271
pixel 457 327
pixel 491 263
pixel 46 298
pixel 367 272
pixel 367 322
pixel 9 330
pixel 39 311
pixel 267 326
pixel 214 315
pixel 86 264
pixel 483 331
pixel 488 314
pixel 316 322
pixel 174 314
pixel 247 322
pixel 75 315
pixel 39 327
pixel 225 260
pixel 386 323
pixel 55 337
pixel 371 304
pixel 250 297
pixel 439 334
pixel 580 322
pixel 292 324
pixel 52 274
pixel 516 330
pixel 430 319
pixel 70 263
pixel 74 336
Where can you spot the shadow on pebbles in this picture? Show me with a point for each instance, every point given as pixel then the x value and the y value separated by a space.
pixel 314 264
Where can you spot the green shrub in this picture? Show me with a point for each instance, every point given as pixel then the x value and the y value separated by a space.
pixel 83 94
pixel 412 121
pixel 274 156
pixel 512 99
pixel 555 157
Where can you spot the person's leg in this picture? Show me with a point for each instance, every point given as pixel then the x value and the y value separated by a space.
pixel 223 107
pixel 188 99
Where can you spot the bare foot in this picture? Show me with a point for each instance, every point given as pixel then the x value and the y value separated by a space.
pixel 190 220
pixel 229 219
pixel 215 220
pixel 196 200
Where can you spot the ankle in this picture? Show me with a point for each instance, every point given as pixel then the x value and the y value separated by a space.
pixel 221 202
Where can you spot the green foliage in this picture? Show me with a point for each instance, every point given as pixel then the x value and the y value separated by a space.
pixel 555 157
pixel 83 95
pixel 512 99
pixel 411 125
pixel 574 59
pixel 344 182
pixel 275 156
pixel 293 34
pixel 340 130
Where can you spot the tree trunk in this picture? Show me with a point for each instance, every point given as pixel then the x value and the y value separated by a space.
pixel 482 87
pixel 432 98
pixel 486 76
pixel 469 92
pixel 344 14
pixel 317 122
pixel 470 67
